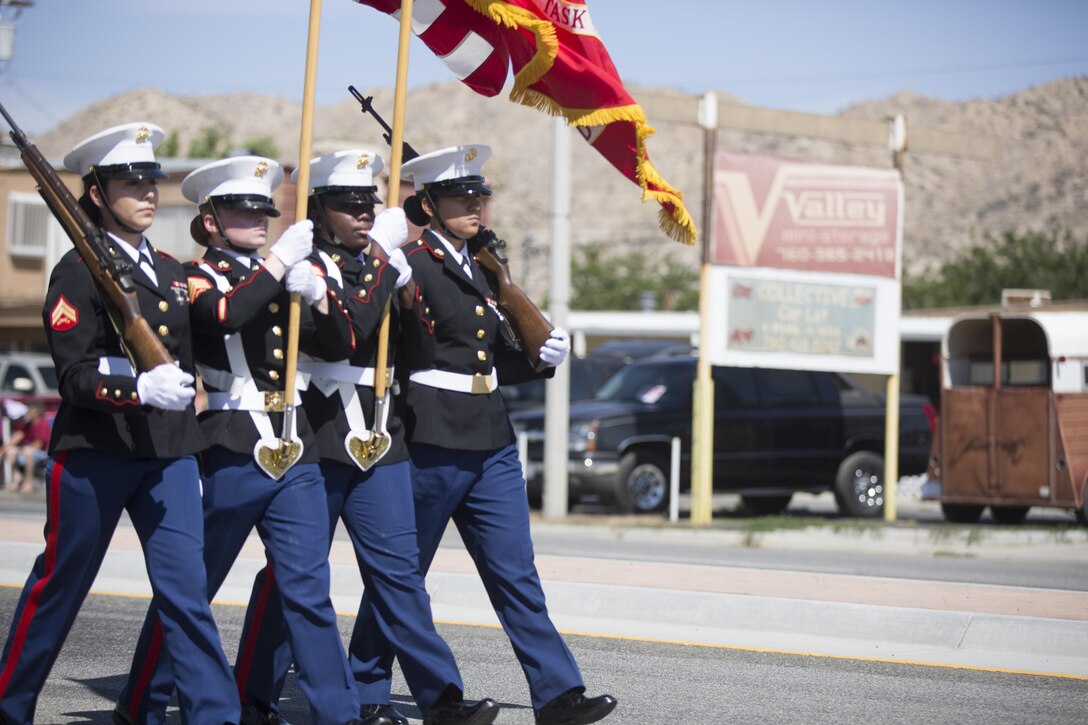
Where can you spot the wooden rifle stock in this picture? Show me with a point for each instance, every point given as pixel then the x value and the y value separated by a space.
pixel 529 323
pixel 109 268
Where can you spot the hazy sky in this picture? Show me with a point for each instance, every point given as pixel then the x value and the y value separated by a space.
pixel 786 54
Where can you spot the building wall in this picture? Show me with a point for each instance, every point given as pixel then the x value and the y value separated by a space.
pixel 22 279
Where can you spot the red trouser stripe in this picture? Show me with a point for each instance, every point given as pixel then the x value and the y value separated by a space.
pixel 151 660
pixel 253 633
pixel 32 601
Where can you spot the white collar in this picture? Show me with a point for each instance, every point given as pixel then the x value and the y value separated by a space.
pixel 133 252
pixel 245 259
pixel 457 256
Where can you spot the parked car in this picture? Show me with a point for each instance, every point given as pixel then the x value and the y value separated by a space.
pixel 776 432
pixel 636 348
pixel 27 376
pixel 587 375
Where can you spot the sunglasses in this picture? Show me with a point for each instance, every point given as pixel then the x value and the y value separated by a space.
pixel 353 208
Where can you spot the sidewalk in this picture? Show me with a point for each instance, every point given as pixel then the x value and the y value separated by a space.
pixel 986 626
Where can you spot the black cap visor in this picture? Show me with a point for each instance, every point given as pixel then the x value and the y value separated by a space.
pixel 246 202
pixel 464 186
pixel 138 170
pixel 349 196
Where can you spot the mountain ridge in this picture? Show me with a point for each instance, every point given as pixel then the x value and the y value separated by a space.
pixel 1037 180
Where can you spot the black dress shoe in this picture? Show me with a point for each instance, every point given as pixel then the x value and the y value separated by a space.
pixel 463 712
pixel 574 708
pixel 254 714
pixel 372 720
pixel 387 711
pixel 121 717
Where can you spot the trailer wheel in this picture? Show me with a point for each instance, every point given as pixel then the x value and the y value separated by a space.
pixel 859 485
pixel 1009 515
pixel 961 513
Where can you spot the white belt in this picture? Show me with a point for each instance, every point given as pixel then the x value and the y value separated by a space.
pixel 476 384
pixel 337 372
pixel 270 401
pixel 234 385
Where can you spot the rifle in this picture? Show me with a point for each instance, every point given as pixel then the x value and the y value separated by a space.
pixel 528 323
pixel 366 104
pixel 530 326
pixel 109 267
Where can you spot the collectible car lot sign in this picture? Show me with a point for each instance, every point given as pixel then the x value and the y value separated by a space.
pixel 806 265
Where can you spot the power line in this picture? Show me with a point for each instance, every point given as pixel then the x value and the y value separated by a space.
pixel 31 100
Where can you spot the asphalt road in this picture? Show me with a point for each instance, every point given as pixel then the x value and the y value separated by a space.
pixel 655 682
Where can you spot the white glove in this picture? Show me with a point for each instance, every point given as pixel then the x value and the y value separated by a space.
pixel 400 263
pixel 390 229
pixel 302 278
pixel 556 348
pixel 165 386
pixel 295 244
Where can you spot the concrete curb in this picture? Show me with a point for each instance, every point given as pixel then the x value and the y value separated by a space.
pixel 802 625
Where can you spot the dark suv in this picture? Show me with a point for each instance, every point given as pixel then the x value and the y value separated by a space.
pixel 587 375
pixel 775 432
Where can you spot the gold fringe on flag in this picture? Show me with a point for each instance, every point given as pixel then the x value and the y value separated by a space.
pixel 674 219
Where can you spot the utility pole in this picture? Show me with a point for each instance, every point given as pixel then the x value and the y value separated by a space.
pixel 702 423
pixel 557 390
pixel 9 12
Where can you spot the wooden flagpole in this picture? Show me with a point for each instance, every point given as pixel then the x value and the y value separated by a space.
pixel 302 191
pixel 289 451
pixel 400 97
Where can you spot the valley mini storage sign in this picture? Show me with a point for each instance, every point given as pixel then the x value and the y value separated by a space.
pixel 806 265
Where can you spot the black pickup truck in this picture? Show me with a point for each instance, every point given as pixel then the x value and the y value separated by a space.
pixel 776 432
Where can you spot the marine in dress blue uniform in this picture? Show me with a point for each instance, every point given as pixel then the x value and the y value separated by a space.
pixel 457 347
pixel 122 441
pixel 239 308
pixel 374 499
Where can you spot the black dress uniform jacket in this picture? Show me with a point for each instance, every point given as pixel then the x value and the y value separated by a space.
pixel 100 408
pixel 367 284
pixel 257 306
pixel 455 325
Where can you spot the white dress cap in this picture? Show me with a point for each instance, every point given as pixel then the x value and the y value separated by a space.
pixel 456 162
pixel 354 167
pixel 131 143
pixel 249 175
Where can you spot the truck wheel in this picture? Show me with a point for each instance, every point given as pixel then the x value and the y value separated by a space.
pixel 961 513
pixel 859 485
pixel 766 505
pixel 1009 514
pixel 643 484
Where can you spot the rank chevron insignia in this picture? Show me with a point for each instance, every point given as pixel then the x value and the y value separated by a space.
pixel 63 316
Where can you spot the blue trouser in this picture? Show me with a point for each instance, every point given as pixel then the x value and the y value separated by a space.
pixel 377 510
pixel 86 493
pixel 291 517
pixel 484 493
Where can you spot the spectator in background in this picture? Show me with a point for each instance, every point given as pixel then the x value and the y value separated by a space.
pixel 12 431
pixel 31 450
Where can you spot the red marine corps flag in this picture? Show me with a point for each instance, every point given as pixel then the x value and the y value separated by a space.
pixel 560 66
